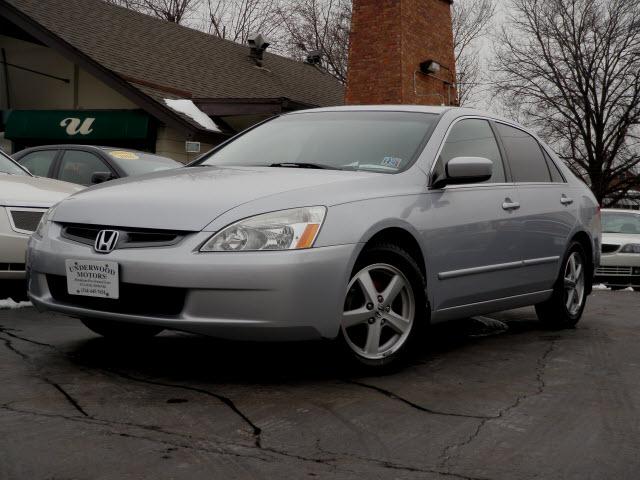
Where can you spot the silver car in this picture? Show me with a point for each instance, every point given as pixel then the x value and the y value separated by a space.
pixel 23 200
pixel 362 224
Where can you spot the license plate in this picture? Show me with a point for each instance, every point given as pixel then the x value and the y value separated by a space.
pixel 93 279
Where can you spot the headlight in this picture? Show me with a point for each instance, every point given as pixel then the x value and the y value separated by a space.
pixel 284 230
pixel 43 226
pixel 631 248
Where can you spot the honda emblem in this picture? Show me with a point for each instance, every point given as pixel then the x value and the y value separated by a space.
pixel 106 241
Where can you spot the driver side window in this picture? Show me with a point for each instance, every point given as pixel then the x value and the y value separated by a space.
pixel 474 138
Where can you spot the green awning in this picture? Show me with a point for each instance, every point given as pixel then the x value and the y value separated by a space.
pixel 77 125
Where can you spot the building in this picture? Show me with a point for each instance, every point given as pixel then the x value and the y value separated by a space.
pixel 401 52
pixel 84 71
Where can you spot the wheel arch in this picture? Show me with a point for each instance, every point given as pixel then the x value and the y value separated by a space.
pixel 401 237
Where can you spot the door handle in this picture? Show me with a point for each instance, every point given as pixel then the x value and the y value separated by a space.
pixel 509 205
pixel 566 200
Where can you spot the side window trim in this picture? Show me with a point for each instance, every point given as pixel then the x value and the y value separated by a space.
pixel 55 165
pixel 549 159
pixel 507 170
pixel 517 127
pixel 503 153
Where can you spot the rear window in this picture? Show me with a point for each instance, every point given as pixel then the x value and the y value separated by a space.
pixel 385 142
pixel 139 163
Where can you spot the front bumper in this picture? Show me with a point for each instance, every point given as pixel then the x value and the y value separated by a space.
pixel 291 295
pixel 619 270
pixel 12 250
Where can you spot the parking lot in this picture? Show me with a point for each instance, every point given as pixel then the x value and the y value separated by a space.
pixel 482 402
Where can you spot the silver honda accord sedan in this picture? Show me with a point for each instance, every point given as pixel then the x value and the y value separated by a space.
pixel 360 224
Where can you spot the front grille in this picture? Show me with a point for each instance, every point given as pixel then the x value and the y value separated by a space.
pixel 609 248
pixel 134 299
pixel 12 267
pixel 129 237
pixel 606 270
pixel 25 219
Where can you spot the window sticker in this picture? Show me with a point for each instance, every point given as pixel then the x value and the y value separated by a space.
pixel 391 162
pixel 124 155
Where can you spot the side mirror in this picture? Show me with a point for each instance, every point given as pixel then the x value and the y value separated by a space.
pixel 100 177
pixel 460 170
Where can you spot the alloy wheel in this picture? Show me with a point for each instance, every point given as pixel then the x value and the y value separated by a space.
pixel 574 283
pixel 379 311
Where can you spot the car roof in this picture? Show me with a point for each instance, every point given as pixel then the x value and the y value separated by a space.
pixel 379 108
pixel 620 210
pixel 438 110
pixel 63 146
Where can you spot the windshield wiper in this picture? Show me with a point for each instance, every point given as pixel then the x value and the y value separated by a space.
pixel 303 165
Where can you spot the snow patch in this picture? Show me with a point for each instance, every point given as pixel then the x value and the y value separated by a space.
pixel 601 286
pixel 7 303
pixel 188 108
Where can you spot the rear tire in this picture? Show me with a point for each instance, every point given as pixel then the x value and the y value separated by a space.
pixel 378 332
pixel 120 331
pixel 565 307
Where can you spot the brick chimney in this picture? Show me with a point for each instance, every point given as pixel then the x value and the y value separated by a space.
pixel 390 42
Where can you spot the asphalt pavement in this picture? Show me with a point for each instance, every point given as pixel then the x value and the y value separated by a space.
pixel 494 398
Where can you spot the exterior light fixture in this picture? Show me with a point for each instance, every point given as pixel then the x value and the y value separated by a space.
pixel 430 67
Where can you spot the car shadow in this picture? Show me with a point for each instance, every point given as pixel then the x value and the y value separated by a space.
pixel 198 359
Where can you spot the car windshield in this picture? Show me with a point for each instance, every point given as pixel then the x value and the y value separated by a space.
pixel 620 222
pixel 138 163
pixel 9 167
pixel 384 142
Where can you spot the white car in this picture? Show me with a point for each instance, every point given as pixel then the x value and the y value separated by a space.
pixel 620 261
pixel 23 200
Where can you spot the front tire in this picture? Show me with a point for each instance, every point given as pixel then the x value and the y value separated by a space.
pixel 120 331
pixel 385 307
pixel 565 307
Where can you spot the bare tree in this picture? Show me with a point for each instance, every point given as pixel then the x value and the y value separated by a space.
pixel 471 20
pixel 130 4
pixel 176 11
pixel 236 19
pixel 319 25
pixel 572 69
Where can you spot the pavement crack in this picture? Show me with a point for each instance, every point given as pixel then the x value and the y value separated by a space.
pixel 541 366
pixel 10 346
pixel 257 431
pixel 9 332
pixel 398 466
pixel 72 401
pixel 68 397
pixel 432 411
pixel 179 439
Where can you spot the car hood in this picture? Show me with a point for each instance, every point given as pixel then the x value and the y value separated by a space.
pixel 620 238
pixel 188 199
pixel 24 191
